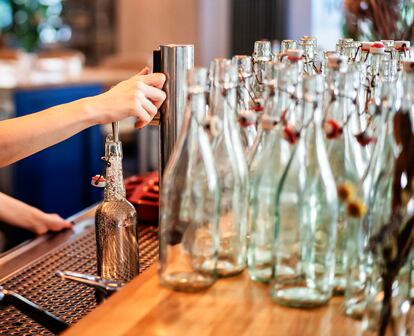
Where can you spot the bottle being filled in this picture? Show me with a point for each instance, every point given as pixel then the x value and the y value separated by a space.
pixel 116 222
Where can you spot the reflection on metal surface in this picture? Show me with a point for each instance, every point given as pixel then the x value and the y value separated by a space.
pixel 174 61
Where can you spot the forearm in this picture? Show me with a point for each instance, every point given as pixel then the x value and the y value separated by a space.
pixel 23 136
pixel 15 212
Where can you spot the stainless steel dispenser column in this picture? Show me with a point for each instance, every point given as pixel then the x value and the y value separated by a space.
pixel 173 60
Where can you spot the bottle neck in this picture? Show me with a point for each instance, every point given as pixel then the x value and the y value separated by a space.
pixel 341 90
pixel 243 93
pixel 114 188
pixel 224 103
pixel 197 103
pixel 259 66
pixel 376 64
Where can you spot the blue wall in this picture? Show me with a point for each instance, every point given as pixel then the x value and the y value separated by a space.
pixel 57 179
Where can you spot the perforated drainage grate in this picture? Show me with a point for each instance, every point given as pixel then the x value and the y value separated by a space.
pixel 64 299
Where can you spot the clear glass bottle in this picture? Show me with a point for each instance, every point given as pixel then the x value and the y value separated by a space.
pixel 264 176
pixel 232 169
pixel 304 248
pixel 246 106
pixel 338 111
pixel 116 222
pixel 190 201
pixel 375 191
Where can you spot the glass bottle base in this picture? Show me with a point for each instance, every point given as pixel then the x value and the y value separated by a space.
pixel 186 282
pixel 260 275
pixel 227 268
pixel 339 285
pixel 299 297
pixel 355 309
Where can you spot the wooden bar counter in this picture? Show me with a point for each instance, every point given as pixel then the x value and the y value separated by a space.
pixel 233 306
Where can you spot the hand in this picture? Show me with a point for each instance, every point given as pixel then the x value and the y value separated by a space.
pixel 140 96
pixel 41 223
pixel 17 213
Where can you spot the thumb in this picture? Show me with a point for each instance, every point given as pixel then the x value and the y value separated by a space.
pixel 144 71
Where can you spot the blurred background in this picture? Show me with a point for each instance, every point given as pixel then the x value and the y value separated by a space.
pixel 55 51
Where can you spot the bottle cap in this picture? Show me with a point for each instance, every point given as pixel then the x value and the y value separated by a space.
pixel 262 51
pixel 366 46
pixel 402 45
pixel 338 62
pixel 288 44
pixel 308 40
pixel 345 40
pixel 98 181
pixel 294 54
pixel 408 66
pixel 377 48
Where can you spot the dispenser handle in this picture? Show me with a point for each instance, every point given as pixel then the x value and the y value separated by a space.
pixel 156 67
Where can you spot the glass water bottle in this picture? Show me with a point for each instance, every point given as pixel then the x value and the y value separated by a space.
pixel 116 222
pixel 337 115
pixel 264 176
pixel 231 166
pixel 190 201
pixel 304 245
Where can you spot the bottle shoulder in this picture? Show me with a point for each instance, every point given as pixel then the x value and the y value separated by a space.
pixel 116 207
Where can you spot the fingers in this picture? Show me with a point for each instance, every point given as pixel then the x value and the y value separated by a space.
pixel 156 96
pixel 149 107
pixel 54 222
pixel 143 72
pixel 155 79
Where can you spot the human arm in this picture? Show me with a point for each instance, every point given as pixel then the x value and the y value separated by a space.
pixel 139 96
pixel 17 213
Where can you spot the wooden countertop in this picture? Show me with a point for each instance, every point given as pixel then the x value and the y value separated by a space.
pixel 233 306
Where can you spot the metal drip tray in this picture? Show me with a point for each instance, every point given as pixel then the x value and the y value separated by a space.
pixel 70 301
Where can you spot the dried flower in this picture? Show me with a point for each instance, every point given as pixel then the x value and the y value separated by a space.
pixel 346 191
pixel 356 208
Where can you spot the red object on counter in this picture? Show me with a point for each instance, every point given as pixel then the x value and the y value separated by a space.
pixel 143 193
